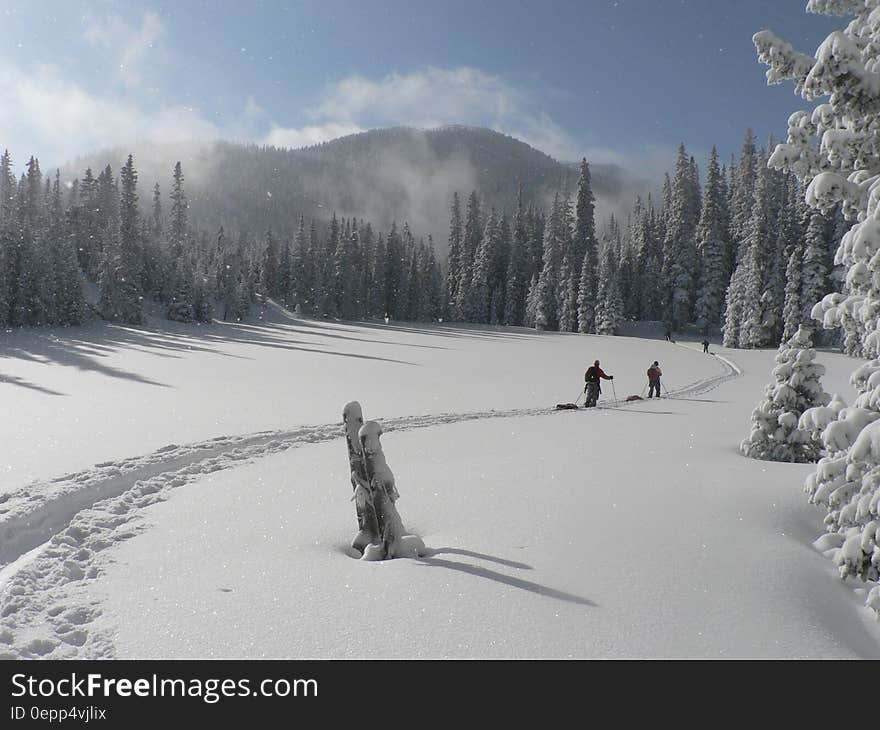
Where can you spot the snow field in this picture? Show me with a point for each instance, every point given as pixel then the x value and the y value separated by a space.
pixel 636 531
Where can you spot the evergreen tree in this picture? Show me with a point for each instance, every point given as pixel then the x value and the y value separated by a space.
pixel 271 268
pixel 742 194
pixel 795 388
pixel 757 263
pixel 477 306
pixel 711 248
pixel 569 282
pixel 679 247
pixel 473 232
pixel 792 312
pixel 119 290
pixel 814 284
pixel 549 290
pixel 378 294
pixel 516 285
pixel 454 259
pixel 585 250
pixel 609 304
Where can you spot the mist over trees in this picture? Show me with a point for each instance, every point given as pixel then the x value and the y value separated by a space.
pixel 738 253
pixel 735 252
pixel 68 253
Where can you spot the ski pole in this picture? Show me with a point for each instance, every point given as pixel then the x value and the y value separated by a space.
pixel 614 390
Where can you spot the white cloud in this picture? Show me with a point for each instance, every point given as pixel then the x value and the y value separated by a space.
pixel 306 136
pixel 436 96
pixel 46 115
pixel 131 45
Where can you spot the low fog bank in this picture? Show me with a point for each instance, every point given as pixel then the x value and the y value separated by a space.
pixel 381 176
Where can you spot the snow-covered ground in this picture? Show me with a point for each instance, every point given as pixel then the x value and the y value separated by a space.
pixel 184 492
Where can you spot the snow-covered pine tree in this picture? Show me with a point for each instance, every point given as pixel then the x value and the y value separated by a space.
pixel 531 314
pixel 130 228
pixel 733 307
pixel 120 295
pixel 378 294
pixel 679 246
pixel 609 304
pixel 473 233
pixel 365 266
pixel 792 310
pixel 742 198
pixel 833 149
pixel 182 302
pixel 7 237
pixel 814 284
pixel 284 281
pixel 757 261
pixel 499 270
pixel 476 307
pixel 712 250
pixel 535 225
pixel 271 269
pixel 300 283
pixel 585 250
pixel 548 288
pixel 795 388
pixel 69 301
pixel 569 286
pixel 433 278
pixel 454 255
pixel 649 257
pixel 516 285
pixel 628 274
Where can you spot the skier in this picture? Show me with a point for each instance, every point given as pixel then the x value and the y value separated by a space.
pixel 706 346
pixel 593 388
pixel 654 374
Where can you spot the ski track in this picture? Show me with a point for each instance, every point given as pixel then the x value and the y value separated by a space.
pixel 54 534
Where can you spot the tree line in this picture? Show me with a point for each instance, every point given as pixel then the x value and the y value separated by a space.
pixel 71 251
pixel 740 253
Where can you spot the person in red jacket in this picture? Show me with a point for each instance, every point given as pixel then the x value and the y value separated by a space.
pixel 654 374
pixel 592 388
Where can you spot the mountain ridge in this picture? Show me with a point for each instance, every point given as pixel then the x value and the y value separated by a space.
pixel 380 175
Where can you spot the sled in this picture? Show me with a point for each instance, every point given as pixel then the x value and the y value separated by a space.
pixel 566 406
pixel 633 397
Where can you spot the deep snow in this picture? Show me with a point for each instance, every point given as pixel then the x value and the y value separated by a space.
pixel 218 524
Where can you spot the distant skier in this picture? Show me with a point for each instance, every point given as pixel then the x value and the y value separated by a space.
pixel 706 346
pixel 654 374
pixel 593 388
pixel 669 335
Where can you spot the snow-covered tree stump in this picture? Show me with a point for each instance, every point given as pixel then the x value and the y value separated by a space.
pixel 368 526
pixel 381 532
pixel 775 435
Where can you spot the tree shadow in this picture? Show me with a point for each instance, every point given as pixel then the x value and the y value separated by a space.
pixel 46 347
pixel 493 575
pixel 22 383
pixel 431 552
pixel 458 330
pixel 87 347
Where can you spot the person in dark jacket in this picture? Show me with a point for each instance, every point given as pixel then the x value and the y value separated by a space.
pixel 592 388
pixel 654 374
pixel 706 346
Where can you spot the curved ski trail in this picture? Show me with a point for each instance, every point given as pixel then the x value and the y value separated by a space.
pixel 53 533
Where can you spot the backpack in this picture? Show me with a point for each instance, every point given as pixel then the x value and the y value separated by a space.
pixel 591 376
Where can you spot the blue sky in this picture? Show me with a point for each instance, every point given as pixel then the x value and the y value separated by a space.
pixel 615 80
